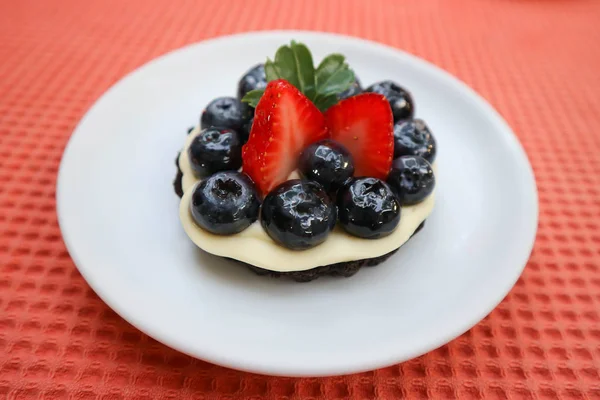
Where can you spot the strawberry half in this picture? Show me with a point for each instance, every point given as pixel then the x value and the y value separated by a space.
pixel 364 124
pixel 285 122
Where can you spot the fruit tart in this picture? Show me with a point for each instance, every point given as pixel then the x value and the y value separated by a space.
pixel 305 173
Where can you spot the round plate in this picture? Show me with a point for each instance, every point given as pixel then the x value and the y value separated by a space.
pixel 119 218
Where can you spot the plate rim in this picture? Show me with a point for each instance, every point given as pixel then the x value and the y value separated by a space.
pixel 257 366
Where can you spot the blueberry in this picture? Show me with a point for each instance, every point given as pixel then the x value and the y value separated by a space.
pixel 298 214
pixel 400 99
pixel 248 119
pixel 246 128
pixel 225 203
pixel 328 163
pixel 352 90
pixel 413 138
pixel 223 112
pixel 253 79
pixel 411 179
pixel 215 150
pixel 368 208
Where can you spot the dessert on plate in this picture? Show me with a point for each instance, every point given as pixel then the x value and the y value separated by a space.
pixel 305 173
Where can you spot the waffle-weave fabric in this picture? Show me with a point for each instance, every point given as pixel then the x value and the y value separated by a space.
pixel 537 62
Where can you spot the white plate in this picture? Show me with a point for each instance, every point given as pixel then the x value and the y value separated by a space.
pixel 118 215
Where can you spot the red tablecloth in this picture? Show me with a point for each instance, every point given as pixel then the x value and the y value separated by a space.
pixel 537 62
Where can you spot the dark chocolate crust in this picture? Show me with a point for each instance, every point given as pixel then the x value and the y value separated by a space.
pixel 177 183
pixel 345 269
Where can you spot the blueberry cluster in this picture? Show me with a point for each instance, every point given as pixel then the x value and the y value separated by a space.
pixel 230 113
pixel 300 213
pixel 225 202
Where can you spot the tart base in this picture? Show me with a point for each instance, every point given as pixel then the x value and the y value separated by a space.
pixel 177 183
pixel 344 269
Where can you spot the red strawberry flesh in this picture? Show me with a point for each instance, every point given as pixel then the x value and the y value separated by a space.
pixel 364 124
pixel 285 122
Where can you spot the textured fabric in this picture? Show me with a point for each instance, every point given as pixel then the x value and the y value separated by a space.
pixel 537 62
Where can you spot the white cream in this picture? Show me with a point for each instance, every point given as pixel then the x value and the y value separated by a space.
pixel 254 246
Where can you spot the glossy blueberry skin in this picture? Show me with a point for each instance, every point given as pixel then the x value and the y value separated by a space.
pixel 353 90
pixel 215 150
pixel 298 214
pixel 253 79
pixel 327 163
pixel 368 208
pixel 225 203
pixel 248 119
pixel 223 112
pixel 411 179
pixel 246 128
pixel 400 99
pixel 413 138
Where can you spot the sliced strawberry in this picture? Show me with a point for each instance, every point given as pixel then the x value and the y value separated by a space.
pixel 364 124
pixel 285 122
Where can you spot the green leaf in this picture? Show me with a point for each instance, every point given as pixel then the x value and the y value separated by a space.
pixel 339 81
pixel 323 103
pixel 328 66
pixel 285 64
pixel 253 96
pixel 294 63
pixel 333 75
pixel 270 71
pixel 305 69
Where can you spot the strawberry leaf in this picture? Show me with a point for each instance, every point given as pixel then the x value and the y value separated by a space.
pixel 333 75
pixel 328 66
pixel 305 69
pixel 253 96
pixel 324 102
pixel 271 71
pixel 294 63
pixel 285 65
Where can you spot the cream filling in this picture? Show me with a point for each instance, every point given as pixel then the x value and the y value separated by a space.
pixel 254 246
